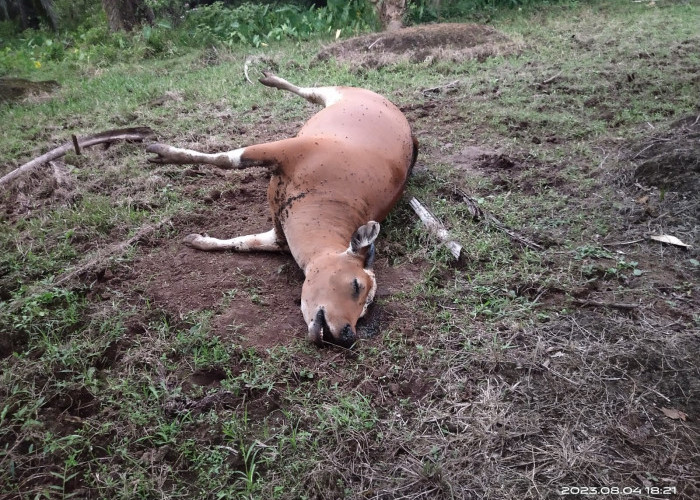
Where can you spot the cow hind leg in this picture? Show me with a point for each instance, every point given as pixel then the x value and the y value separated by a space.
pixel 264 242
pixel 325 96
pixel 269 154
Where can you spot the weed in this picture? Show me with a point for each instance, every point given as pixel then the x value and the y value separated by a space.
pixel 249 474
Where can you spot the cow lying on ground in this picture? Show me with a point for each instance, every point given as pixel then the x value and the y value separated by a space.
pixel 343 172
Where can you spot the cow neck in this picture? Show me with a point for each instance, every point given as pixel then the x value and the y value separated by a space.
pixel 322 241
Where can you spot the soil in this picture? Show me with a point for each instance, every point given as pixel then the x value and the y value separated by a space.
pixel 16 88
pixel 254 298
pixel 451 42
pixel 671 160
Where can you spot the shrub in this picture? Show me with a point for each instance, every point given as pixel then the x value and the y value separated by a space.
pixel 255 23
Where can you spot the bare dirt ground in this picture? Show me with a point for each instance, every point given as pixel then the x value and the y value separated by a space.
pixel 254 297
pixel 451 42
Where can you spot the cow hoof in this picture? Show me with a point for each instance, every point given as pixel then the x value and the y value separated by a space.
pixel 159 150
pixel 191 240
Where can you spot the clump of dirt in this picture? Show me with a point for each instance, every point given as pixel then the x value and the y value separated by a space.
pixel 671 160
pixel 12 89
pixel 453 42
pixel 51 185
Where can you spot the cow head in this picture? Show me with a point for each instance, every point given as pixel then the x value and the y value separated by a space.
pixel 339 287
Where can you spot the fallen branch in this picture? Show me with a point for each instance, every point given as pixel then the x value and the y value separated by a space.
pixel 100 260
pixel 448 87
pixel 551 78
pixel 96 263
pixel 109 136
pixel 436 228
pixel 612 305
pixel 480 214
pixel 621 243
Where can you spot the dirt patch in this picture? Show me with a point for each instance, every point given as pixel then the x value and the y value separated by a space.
pixel 49 186
pixel 12 89
pixel 671 160
pixel 660 176
pixel 253 297
pixel 453 42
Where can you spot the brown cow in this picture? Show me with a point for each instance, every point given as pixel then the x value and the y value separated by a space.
pixel 344 171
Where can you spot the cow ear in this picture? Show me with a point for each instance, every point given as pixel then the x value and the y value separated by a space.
pixel 362 242
pixel 369 257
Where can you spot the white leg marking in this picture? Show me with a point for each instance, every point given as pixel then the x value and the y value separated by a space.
pixel 253 242
pixel 235 156
pixel 180 156
pixel 326 96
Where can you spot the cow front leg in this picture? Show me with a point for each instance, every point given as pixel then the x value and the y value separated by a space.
pixel 266 242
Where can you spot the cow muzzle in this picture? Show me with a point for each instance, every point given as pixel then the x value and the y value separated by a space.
pixel 320 332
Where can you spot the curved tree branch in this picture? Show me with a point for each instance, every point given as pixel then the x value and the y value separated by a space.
pixel 108 136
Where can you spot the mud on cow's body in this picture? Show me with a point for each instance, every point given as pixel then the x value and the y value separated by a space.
pixel 330 184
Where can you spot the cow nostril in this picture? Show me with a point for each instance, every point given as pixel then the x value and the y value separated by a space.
pixel 347 336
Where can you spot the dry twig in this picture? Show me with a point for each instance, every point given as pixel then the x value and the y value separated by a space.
pixel 373 43
pixel 448 87
pixel 479 214
pixel 100 259
pixel 551 78
pixel 95 263
pixel 76 144
pixel 613 305
pixel 621 243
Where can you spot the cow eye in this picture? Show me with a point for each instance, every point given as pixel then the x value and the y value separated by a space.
pixel 355 288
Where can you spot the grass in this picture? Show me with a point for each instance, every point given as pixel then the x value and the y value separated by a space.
pixel 487 380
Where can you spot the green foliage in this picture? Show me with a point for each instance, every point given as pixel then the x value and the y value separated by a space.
pixel 75 14
pixel 426 11
pixel 53 312
pixel 88 40
pixel 256 24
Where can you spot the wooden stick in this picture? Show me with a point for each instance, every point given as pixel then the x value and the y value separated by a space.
pixel 621 243
pixel 480 214
pixel 102 256
pixel 448 86
pixel 96 262
pixel 108 136
pixel 551 78
pixel 613 305
pixel 76 145
pixel 436 228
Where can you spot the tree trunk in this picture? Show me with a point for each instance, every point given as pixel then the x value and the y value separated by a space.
pixel 30 13
pixel 4 11
pixel 126 14
pixel 390 13
pixel 23 15
pixel 50 12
